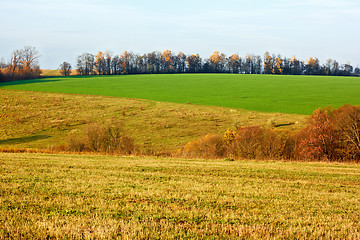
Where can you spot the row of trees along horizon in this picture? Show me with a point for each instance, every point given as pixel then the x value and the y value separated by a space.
pixel 104 63
pixel 24 64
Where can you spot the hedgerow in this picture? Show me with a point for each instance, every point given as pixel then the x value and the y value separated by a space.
pixel 330 134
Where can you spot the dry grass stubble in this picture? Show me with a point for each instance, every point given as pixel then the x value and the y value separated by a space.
pixel 126 197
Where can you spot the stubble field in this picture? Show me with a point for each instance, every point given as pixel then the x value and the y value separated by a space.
pixel 83 196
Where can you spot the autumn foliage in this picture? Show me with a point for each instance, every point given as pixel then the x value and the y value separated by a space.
pixel 251 142
pixel 330 135
pixel 316 140
pixel 167 62
pixel 23 65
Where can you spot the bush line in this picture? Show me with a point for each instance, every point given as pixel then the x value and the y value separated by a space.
pixel 330 135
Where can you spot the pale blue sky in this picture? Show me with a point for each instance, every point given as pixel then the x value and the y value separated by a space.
pixel 62 30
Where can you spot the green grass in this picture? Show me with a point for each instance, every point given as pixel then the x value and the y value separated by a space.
pixel 264 93
pixel 68 196
pixel 42 120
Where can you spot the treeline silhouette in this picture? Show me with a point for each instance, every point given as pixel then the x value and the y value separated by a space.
pixel 105 63
pixel 23 64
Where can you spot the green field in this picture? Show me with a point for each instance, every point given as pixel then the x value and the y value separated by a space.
pixel 263 93
pixel 69 196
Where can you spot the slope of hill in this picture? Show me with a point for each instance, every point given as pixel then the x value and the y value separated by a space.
pixel 263 93
pixel 54 73
pixel 41 120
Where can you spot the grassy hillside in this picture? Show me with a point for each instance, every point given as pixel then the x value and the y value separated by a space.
pixel 50 73
pixel 264 93
pixel 56 196
pixel 54 73
pixel 41 120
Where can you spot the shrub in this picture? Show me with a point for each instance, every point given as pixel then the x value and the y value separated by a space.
pixel 331 135
pixel 245 142
pixel 346 125
pixel 208 146
pixel 74 142
pixel 100 138
pixel 316 141
pixel 257 142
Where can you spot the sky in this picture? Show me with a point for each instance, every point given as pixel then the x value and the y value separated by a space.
pixel 61 30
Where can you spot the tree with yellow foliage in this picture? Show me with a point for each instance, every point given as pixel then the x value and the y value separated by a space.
pixel 278 68
pixel 268 63
pixel 100 63
pixel 167 60
pixel 312 67
pixel 217 62
pixel 234 63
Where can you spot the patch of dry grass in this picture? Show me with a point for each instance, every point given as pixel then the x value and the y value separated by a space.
pixel 67 196
pixel 42 120
pixel 55 73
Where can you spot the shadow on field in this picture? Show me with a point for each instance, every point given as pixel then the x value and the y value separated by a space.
pixel 21 82
pixel 23 139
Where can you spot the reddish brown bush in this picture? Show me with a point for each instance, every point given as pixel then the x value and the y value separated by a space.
pixel 316 141
pixel 8 75
pixel 331 135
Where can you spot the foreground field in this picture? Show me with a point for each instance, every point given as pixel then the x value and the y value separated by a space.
pixel 72 196
pixel 43 120
pixel 263 93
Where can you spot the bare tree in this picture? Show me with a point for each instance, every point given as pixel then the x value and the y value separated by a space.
pixel 85 64
pixel 99 63
pixel 65 69
pixel 24 63
pixel 30 58
pixel 3 63
pixel 116 65
pixel 16 61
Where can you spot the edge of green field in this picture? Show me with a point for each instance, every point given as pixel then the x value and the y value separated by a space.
pixel 263 93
